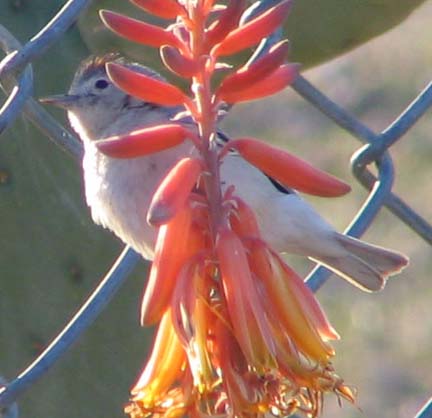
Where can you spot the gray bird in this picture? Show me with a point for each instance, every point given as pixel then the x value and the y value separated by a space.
pixel 119 191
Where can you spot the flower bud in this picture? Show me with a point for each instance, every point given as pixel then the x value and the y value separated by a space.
pixel 254 30
pixel 143 141
pixel 289 169
pixel 145 87
pixel 136 30
pixel 174 190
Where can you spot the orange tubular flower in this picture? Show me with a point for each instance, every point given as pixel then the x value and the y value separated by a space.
pixel 227 21
pixel 273 83
pixel 178 234
pixel 167 9
pixel 246 76
pixel 311 306
pixel 249 323
pixel 243 221
pixel 144 141
pixel 178 63
pixel 144 87
pixel 288 169
pixel 192 319
pixel 174 190
pixel 165 364
pixel 137 31
pixel 288 309
pixel 253 31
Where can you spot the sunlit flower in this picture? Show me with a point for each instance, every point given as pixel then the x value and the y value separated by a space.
pixel 239 333
pixel 173 192
pixel 289 169
pixel 249 336
pixel 145 87
pixel 144 141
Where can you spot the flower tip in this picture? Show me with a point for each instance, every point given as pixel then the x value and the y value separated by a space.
pixel 347 392
pixel 144 86
pixel 330 334
pixel 143 320
pixel 110 19
pixel 115 22
pixel 102 13
pixel 167 9
pixel 113 69
pixel 174 190
pixel 105 15
pixel 345 188
pixel 159 214
pixel 146 320
pixel 177 63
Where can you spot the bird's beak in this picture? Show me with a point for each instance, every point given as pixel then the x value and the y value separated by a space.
pixel 66 101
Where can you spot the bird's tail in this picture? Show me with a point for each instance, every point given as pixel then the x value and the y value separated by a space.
pixel 364 265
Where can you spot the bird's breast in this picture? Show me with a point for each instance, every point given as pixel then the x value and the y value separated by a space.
pixel 119 192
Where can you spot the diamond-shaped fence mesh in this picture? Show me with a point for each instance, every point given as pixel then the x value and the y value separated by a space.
pixel 372 166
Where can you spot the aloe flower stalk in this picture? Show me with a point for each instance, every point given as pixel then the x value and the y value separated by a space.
pixel 239 333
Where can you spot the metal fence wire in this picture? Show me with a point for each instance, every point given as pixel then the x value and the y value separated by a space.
pixel 16 78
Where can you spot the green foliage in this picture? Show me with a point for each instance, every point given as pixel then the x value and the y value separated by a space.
pixel 322 30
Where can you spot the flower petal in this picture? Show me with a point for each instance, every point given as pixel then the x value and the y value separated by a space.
pixel 243 220
pixel 225 23
pixel 136 30
pixel 253 31
pixel 310 304
pixel 234 366
pixel 192 319
pixel 144 87
pixel 174 190
pixel 144 141
pixel 273 83
pixel 249 323
pixel 166 9
pixel 177 241
pixel 164 365
pixel 289 169
pixel 178 63
pixel 285 307
pixel 198 354
pixel 183 300
pixel 251 74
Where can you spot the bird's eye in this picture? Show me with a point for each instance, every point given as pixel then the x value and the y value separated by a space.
pixel 101 84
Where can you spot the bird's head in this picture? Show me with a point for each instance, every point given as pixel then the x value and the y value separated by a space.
pixel 93 102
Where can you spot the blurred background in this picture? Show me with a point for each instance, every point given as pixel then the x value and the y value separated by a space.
pixel 52 256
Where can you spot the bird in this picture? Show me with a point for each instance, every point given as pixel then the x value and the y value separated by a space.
pixel 119 191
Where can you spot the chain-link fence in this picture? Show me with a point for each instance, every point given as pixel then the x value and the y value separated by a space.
pixel 16 77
